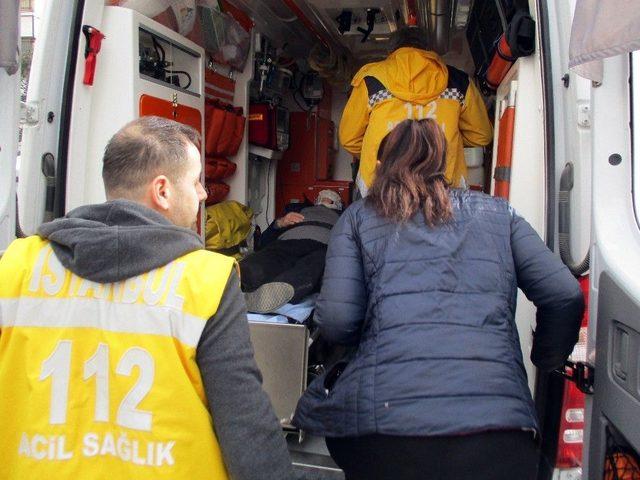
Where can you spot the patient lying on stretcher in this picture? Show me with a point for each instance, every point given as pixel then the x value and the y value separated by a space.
pixel 290 263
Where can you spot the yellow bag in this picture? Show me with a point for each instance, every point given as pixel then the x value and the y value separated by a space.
pixel 227 227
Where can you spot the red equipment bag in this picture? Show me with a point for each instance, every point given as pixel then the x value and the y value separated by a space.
pixel 261 120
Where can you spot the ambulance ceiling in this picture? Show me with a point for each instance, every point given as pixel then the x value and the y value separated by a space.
pixel 297 25
pixel 347 22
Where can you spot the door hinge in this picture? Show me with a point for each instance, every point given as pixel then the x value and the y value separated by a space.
pixel 584 114
pixel 581 374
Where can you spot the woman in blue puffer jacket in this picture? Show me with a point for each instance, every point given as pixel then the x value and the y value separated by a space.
pixel 421 281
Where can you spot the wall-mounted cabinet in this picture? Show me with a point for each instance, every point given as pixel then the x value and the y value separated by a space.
pixel 123 90
pixel 310 158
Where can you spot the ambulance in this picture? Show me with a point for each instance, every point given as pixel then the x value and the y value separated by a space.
pixel 266 82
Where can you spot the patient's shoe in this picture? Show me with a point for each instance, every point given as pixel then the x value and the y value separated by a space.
pixel 269 297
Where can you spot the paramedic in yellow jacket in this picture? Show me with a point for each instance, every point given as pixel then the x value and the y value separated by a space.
pixel 124 345
pixel 412 82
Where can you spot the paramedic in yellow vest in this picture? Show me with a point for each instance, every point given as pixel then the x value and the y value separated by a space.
pixel 124 345
pixel 412 82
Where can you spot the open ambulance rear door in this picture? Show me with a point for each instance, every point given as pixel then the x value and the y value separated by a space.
pixel 612 435
pixel 613 423
pixel 9 99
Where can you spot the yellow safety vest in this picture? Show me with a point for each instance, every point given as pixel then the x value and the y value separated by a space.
pixel 100 380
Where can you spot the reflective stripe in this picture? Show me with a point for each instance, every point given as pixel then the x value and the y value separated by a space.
pixel 502 174
pixel 362 186
pixel 101 314
pixel 379 96
pixel 452 94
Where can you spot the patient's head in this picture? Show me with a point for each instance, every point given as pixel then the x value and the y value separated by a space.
pixel 329 199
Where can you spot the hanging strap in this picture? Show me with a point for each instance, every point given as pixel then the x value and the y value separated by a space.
pixel 310 223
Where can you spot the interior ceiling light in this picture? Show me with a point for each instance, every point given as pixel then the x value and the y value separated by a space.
pixel 461 13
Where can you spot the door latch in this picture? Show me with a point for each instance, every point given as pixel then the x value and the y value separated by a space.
pixel 580 373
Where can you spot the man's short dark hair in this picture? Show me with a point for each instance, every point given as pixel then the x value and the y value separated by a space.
pixel 144 148
pixel 415 37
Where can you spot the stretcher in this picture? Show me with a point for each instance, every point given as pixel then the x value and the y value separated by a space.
pixel 281 343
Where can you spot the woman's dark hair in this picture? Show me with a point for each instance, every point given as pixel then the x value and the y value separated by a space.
pixel 410 176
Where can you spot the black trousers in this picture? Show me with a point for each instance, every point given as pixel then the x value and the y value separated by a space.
pixel 299 263
pixel 498 455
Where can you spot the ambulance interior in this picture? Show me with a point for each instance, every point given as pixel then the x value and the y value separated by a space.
pixel 266 83
pixel 302 60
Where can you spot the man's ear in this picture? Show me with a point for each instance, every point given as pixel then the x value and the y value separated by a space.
pixel 160 193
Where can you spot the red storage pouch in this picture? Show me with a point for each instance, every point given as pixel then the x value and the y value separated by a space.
pixel 231 169
pixel 215 119
pixel 217 168
pixel 238 133
pixel 210 170
pixel 214 170
pixel 216 192
pixel 226 135
pixel 221 168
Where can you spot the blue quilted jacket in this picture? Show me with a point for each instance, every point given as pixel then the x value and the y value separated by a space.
pixel 430 315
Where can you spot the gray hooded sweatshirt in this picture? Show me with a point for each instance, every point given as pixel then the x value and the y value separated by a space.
pixel 116 240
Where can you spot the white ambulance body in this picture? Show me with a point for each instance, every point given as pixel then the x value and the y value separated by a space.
pixel 560 118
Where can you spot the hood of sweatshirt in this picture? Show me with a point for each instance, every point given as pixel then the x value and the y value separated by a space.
pixel 116 240
pixel 410 74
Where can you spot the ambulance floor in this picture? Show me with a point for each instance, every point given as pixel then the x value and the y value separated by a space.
pixel 311 459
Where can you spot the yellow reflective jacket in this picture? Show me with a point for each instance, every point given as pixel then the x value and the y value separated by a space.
pixel 100 380
pixel 415 84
